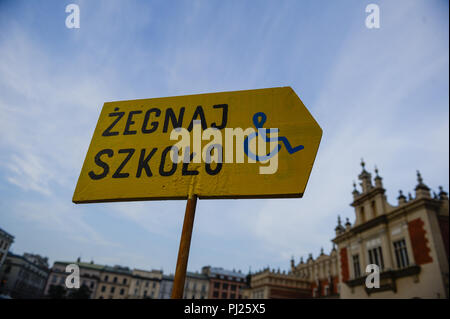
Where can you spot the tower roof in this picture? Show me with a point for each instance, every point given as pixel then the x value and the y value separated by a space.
pixel 421 184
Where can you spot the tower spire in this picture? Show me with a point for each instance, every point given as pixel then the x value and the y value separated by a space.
pixel 339 228
pixel 421 189
pixel 442 194
pixel 366 178
pixel 401 198
pixel 378 179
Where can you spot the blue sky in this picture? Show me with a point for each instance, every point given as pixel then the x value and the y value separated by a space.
pixel 381 94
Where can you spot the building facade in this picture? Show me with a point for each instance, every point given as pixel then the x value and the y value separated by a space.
pixel 145 284
pixel 225 284
pixel 6 241
pixel 408 242
pixel 322 273
pixel 165 291
pixel 196 286
pixel 271 284
pixel 22 278
pixel 114 283
pixel 89 276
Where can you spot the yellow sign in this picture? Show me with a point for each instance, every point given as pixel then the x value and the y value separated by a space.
pixel 242 144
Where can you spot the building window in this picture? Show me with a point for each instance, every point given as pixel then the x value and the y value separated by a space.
pixel 216 285
pixel 233 287
pixel 362 214
pixel 115 279
pixel 356 266
pixel 224 295
pixel 376 257
pixel 106 278
pixel 122 291
pixel 103 288
pixel 216 294
pixel 54 279
pixel 374 208
pixel 145 293
pixel 124 281
pixel 401 254
pixel 112 289
pixel 233 296
pixel 225 286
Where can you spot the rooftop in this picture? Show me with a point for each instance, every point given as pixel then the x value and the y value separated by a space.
pixel 224 272
pixel 12 255
pixel 6 234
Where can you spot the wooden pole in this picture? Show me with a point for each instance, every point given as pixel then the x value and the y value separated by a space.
pixel 183 251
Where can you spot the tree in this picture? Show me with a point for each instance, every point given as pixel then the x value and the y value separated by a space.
pixel 82 293
pixel 56 292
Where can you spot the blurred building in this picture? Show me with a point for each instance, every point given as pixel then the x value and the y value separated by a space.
pixel 114 282
pixel 106 282
pixel 224 284
pixel 37 260
pixel 322 273
pixel 408 242
pixel 272 284
pixel 23 278
pixel 6 241
pixel 89 276
pixel 196 286
pixel 145 284
pixel 165 291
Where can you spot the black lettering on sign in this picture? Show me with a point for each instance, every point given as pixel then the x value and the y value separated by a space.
pixel 163 161
pixel 224 116
pixel 102 164
pixel 130 122
pixel 119 115
pixel 198 112
pixel 117 173
pixel 186 170
pixel 147 117
pixel 213 171
pixel 175 122
pixel 143 163
pixel 218 168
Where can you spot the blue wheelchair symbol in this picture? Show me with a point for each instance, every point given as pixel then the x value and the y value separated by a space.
pixel 258 120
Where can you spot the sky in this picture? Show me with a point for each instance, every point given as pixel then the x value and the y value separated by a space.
pixel 378 94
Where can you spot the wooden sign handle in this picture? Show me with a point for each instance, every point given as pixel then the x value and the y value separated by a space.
pixel 183 251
